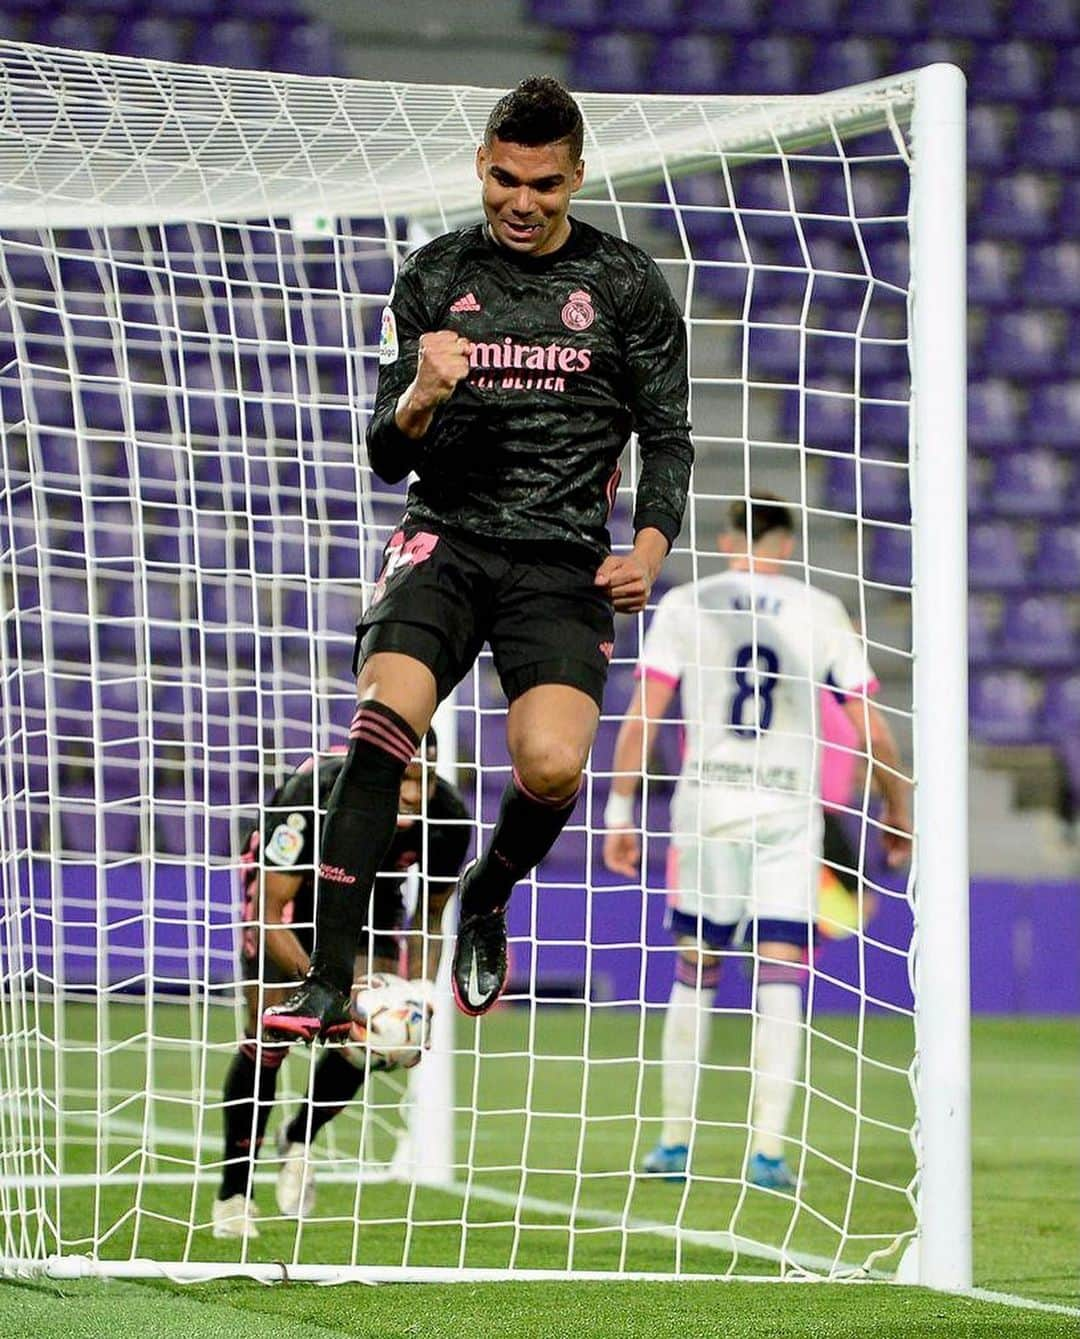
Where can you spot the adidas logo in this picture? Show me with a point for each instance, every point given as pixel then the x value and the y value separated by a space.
pixel 468 303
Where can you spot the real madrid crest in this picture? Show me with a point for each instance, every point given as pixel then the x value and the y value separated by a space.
pixel 579 313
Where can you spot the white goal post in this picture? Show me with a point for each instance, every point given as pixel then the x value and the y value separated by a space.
pixel 193 264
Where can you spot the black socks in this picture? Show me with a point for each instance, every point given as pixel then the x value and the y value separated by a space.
pixel 335 1084
pixel 360 822
pixel 249 1094
pixel 525 832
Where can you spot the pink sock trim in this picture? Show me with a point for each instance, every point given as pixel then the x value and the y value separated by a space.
pixel 543 799
pixel 782 974
pixel 686 974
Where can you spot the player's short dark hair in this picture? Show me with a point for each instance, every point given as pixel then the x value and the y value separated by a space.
pixel 767 513
pixel 431 744
pixel 538 111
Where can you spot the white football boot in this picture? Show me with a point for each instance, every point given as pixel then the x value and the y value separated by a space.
pixel 295 1188
pixel 234 1219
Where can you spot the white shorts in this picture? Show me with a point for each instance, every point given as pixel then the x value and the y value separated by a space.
pixel 768 870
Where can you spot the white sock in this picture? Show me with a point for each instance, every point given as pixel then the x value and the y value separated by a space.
pixel 687 1025
pixel 778 1043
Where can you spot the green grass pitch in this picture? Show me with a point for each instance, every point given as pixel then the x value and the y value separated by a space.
pixel 1027 1188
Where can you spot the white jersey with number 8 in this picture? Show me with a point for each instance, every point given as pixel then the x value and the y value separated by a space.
pixel 752 653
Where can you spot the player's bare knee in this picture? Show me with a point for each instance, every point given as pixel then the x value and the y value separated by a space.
pixel 549 769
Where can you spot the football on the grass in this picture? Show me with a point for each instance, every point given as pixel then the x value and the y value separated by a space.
pixel 391 1022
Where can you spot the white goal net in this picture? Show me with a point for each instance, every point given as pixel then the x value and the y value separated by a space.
pixel 194 264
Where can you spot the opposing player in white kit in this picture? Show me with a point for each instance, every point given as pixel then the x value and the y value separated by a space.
pixel 752 649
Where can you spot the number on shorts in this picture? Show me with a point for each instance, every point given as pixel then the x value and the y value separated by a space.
pixel 756 668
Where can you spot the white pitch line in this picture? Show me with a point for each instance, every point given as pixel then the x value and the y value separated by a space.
pixel 1024 1303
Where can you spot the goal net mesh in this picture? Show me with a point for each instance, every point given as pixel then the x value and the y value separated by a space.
pixel 194 263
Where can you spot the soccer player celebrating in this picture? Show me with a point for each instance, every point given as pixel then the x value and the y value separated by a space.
pixel 517 356
pixel 278 883
pixel 752 649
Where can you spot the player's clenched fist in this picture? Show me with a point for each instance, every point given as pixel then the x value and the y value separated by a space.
pixel 442 362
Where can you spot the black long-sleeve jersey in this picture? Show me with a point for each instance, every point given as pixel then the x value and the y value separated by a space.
pixel 571 351
pixel 285 841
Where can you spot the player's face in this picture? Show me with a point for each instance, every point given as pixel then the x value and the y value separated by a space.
pixel 526 193
pixel 412 788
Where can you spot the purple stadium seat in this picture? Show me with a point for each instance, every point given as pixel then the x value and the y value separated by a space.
pixel 705 207
pixel 1009 72
pixel 890 557
pixel 687 65
pixel 990 136
pixel 1045 19
pixel 1068 213
pixel 78 830
pixel 71 29
pixel 982 630
pixel 1020 206
pixel 960 18
pixel 1067 73
pixel 1052 275
pixel 830 420
pixel 728 16
pixel 890 259
pixel 810 16
pixel 773 344
pixel 766 65
pixel 100 394
pixel 209 410
pixel 991 269
pixel 370 273
pixel 1051 138
pixel 994 417
pixel 308 48
pixel 651 16
pixel 59 457
pixel 122 716
pixel 763 193
pixel 856 60
pixel 171 831
pixel 1057 558
pixel 884 18
pixel 1023 344
pixel 234 43
pixel 1061 707
pixel 569 15
pixel 884 488
pixel 151 38
pixel 1030 483
pixel 885 422
pixel 113 533
pixel 934 50
pixel 607 63
pixel 287 10
pixel 1037 631
pixel 1054 415
pixel 195 9
pixel 995 557
pixel 1002 708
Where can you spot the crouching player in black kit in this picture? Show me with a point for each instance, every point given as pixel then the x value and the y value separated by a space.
pixel 517 357
pixel 278 884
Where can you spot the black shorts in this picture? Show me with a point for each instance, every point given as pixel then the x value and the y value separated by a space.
pixel 441 596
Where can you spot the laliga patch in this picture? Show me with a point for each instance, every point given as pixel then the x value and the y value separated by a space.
pixel 285 845
pixel 388 342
